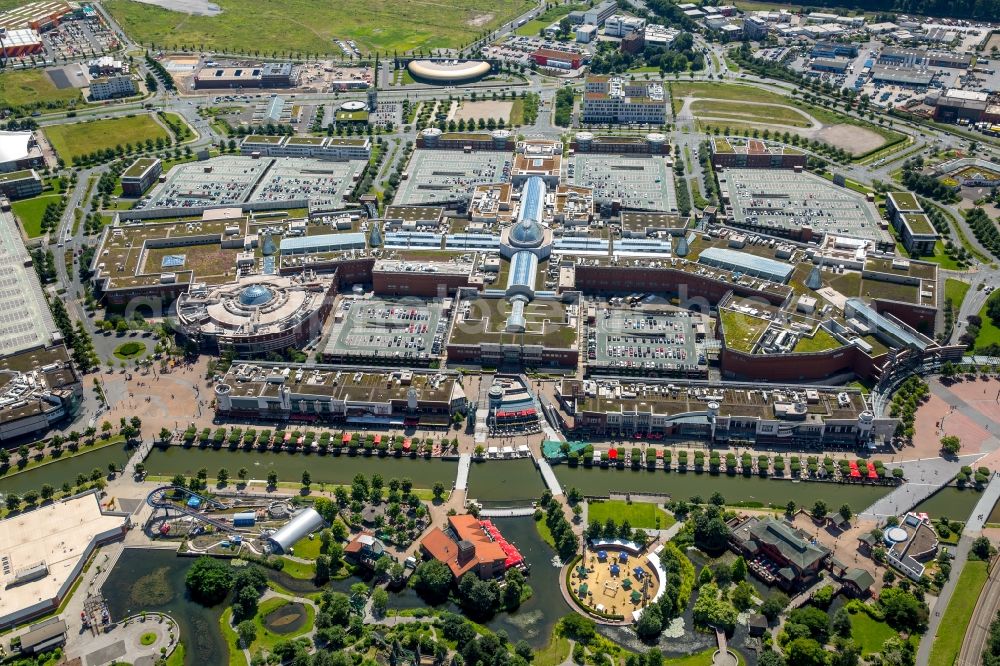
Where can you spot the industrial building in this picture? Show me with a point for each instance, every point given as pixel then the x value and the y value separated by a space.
pixel 906 57
pixel 20 43
pixel 306 522
pixel 112 87
pixel 28 323
pixel 832 65
pixel 833 50
pixel 45 549
pixel 20 184
pixel 317 393
pixel 955 104
pixel 267 75
pixel 140 175
pixel 38 16
pixel 614 99
pixel 557 59
pixel 18 151
pixel 786 416
pixel 432 138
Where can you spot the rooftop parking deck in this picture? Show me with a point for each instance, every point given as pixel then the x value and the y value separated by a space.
pixel 387 328
pixel 437 176
pixel 484 320
pixel 788 201
pixel 640 183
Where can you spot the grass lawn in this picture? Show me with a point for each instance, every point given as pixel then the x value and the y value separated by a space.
pixel 32 86
pixel 822 341
pixel 545 19
pixel 951 632
pixel 545 532
pixel 870 634
pixel 83 138
pixel 176 657
pixel 299 569
pixel 30 211
pixel 956 291
pixel 516 113
pixel 638 514
pixel 772 115
pixel 742 330
pixel 236 657
pixel 553 654
pixel 990 332
pixel 130 350
pixel 941 258
pixel 302 26
pixel 267 639
pixel 308 548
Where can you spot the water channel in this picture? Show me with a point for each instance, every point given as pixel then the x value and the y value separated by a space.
pixel 333 469
pixel 736 489
pixel 64 470
pixel 950 502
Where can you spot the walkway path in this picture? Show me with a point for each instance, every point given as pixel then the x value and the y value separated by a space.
pixel 550 477
pixel 973 528
pixel 464 464
pixel 723 657
pixel 924 478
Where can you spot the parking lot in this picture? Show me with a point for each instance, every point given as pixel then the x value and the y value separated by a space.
pixel 643 183
pixel 387 328
pixel 624 339
pixel 789 201
pixel 436 176
pixel 323 183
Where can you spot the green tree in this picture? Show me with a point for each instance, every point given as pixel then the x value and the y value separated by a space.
pixel 981 548
pixel 208 580
pixel 951 445
pixel 247 632
pixel 432 581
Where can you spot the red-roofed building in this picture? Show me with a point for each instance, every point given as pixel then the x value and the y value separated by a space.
pixel 560 59
pixel 474 550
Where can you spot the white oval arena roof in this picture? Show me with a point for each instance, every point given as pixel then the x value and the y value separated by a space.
pixel 448 71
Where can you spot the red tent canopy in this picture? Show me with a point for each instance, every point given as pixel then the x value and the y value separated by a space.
pixel 613 454
pixel 346 438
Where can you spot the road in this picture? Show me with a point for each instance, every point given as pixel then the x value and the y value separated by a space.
pixel 978 631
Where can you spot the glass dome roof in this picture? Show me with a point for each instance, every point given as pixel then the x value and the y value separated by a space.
pixel 526 234
pixel 255 295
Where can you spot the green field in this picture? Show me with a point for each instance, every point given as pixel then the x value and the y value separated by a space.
pixel 302 26
pixel 638 514
pixel 733 92
pixel 30 211
pixel 32 86
pixel 956 291
pixel 751 113
pixel 822 341
pixel 870 634
pixel 80 139
pixel 951 632
pixel 989 334
pixel 545 19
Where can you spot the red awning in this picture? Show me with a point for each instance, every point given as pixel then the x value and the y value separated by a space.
pixel 406 444
pixel 378 439
pixel 288 436
pixel 346 438
pixel 613 454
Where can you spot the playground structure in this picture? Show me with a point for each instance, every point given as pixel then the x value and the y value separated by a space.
pixel 201 520
pixel 615 580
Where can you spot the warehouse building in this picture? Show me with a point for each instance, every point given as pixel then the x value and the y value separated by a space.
pixel 39 16
pixel 20 43
pixel 557 59
pixel 955 105
pixel 267 75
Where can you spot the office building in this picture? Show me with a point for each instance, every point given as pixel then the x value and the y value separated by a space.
pixel 20 184
pixel 112 87
pixel 613 99
pixel 140 175
pixel 618 25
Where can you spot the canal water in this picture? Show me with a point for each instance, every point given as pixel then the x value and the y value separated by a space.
pixel 736 489
pixel 153 580
pixel 950 502
pixel 332 469
pixel 505 482
pixel 64 470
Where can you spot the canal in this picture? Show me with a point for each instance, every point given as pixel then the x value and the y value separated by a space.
pixel 950 502
pixel 505 482
pixel 153 580
pixel 63 470
pixel 332 469
pixel 735 489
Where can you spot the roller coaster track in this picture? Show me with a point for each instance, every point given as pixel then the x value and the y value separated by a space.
pixel 158 500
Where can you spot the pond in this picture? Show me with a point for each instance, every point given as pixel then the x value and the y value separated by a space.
pixel 286 619
pixel 736 489
pixel 153 580
pixel 950 502
pixel 64 470
pixel 331 469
